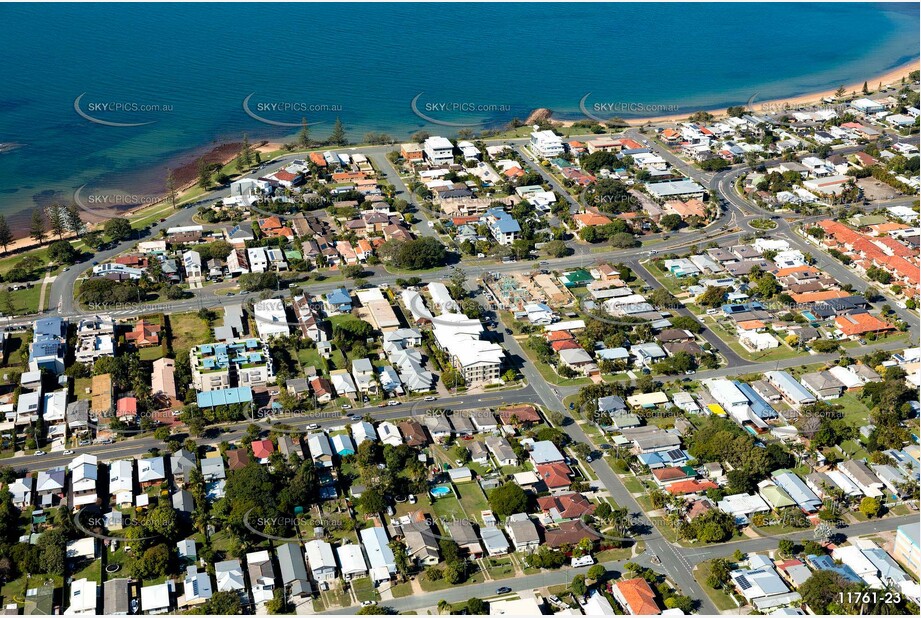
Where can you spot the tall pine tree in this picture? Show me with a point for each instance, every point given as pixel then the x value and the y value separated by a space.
pixel 6 236
pixel 171 195
pixel 56 219
pixel 37 226
pixel 337 138
pixel 303 138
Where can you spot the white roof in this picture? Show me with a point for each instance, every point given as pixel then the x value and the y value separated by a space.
pixel 351 559
pixel 379 553
pixel 743 504
pixel 83 597
pixel 319 554
pixel 846 376
pixel 156 597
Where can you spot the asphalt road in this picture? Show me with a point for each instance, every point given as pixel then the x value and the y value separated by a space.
pixel 139 446
pixel 677 562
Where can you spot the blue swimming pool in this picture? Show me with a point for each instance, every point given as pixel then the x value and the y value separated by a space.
pixel 809 316
pixel 438 492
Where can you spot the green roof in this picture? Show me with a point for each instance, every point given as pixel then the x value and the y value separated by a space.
pixel 776 497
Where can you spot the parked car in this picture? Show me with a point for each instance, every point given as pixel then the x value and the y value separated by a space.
pixel 503 590
pixel 393 403
pixel 313 426
pixel 68 452
pixel 429 398
pixel 346 406
pixel 40 453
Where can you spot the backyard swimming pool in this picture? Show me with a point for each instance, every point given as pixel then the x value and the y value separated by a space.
pixel 440 491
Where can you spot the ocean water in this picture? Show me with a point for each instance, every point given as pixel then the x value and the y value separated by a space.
pixel 184 70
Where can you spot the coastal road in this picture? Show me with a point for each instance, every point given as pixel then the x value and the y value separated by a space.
pixel 732 358
pixel 139 446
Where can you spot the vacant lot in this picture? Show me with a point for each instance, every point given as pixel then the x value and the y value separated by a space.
pixel 187 330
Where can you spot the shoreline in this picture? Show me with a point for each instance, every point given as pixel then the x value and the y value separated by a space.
pixel 892 76
pixel 793 102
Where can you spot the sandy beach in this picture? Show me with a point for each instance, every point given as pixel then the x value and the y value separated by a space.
pixel 224 153
pixel 892 77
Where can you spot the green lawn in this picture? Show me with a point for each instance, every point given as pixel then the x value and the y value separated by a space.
pixel 633 485
pixel 401 590
pixel 855 412
pixel 309 357
pixel 92 572
pixel 17 351
pixel 152 353
pixel 472 499
pixel 852 449
pixel 720 598
pixel 499 568
pixel 448 508
pixel 25 301
pixel 614 555
pixel 187 330
pixel 364 589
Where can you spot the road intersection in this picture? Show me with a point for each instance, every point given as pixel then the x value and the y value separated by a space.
pixel 731 224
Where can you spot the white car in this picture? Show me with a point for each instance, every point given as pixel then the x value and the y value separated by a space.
pixel 412 498
pixel 393 403
pixel 346 407
pixel 68 452
pixel 368 603
pixel 313 426
pixel 429 398
pixel 40 453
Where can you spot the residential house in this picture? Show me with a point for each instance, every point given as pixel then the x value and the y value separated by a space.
pixel 522 531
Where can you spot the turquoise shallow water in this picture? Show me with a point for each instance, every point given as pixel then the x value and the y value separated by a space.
pixel 365 63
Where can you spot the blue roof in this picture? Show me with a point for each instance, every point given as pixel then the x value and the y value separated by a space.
pixel 44 348
pixel 49 327
pixel 826 563
pixel 798 490
pixel 339 296
pixel 226 396
pixel 758 405
pixel 505 223
pixel 664 458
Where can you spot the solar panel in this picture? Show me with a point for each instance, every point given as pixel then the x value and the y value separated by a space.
pixel 743 583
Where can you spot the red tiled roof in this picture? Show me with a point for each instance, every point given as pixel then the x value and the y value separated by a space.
pixel 640 599
pixel 860 323
pixel 665 475
pixel 555 475
pixel 262 448
pixel 570 506
pixel 565 344
pixel 692 486
pixel 524 413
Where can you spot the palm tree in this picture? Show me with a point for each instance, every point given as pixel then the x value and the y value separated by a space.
pixel 444 607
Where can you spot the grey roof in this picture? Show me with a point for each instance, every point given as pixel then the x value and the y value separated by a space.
pixel 183 501
pixel 522 529
pixel 181 462
pixel 611 403
pixel 115 596
pixel 493 538
pixel 291 563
